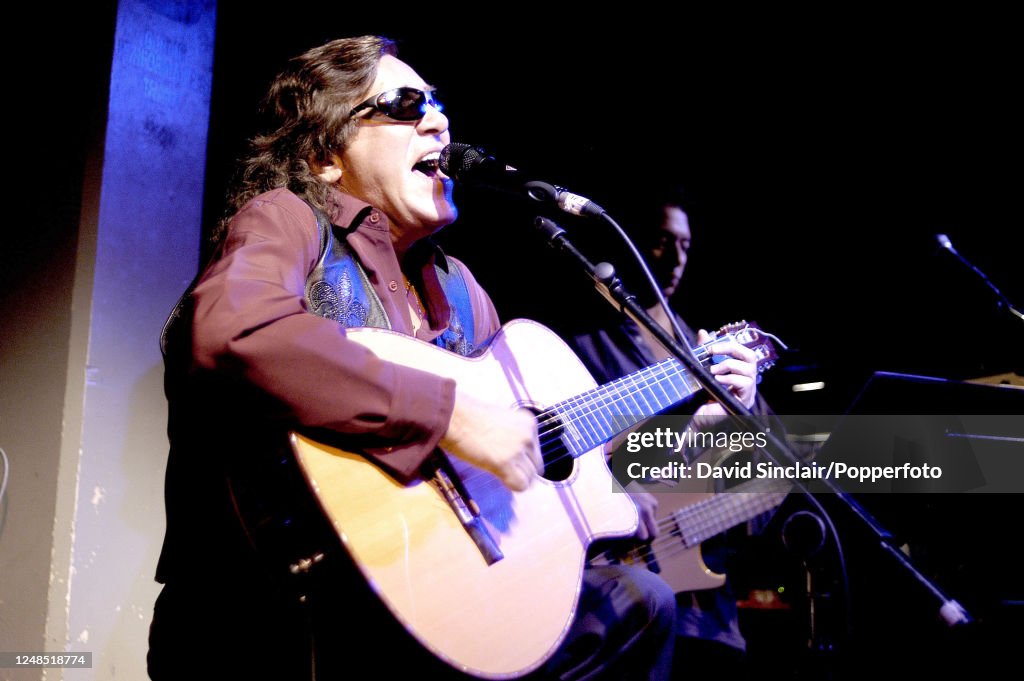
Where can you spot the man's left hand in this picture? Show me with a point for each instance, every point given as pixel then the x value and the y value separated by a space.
pixel 739 372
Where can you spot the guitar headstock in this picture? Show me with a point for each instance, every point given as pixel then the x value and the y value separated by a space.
pixel 750 335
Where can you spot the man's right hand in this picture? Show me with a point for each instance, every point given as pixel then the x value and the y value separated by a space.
pixel 500 440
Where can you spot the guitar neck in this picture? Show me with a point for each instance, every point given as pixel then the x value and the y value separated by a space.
pixel 595 417
pixel 714 515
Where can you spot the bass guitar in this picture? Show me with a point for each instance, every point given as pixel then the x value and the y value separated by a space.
pixel 685 520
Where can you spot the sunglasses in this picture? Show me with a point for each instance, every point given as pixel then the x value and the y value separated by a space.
pixel 400 104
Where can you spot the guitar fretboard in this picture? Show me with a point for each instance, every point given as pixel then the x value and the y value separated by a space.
pixel 595 417
pixel 704 519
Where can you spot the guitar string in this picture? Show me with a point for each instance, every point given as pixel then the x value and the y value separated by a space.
pixel 550 436
pixel 678 543
pixel 701 352
pixel 617 392
pixel 662 374
pixel 665 369
pixel 553 420
pixel 613 391
pixel 702 521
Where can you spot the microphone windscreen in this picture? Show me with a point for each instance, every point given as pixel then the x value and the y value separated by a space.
pixel 457 158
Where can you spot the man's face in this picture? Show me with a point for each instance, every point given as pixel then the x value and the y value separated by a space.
pixel 379 165
pixel 668 256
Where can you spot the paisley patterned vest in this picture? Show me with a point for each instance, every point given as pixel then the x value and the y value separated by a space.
pixel 339 289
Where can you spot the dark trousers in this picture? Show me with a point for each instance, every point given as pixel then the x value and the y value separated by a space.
pixel 246 629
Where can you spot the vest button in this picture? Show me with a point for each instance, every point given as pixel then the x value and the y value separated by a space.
pixel 393 285
pixel 374 217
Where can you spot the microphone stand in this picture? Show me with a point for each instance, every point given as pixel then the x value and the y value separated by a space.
pixel 613 290
pixel 1001 301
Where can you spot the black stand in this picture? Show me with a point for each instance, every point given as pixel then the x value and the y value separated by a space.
pixel 1002 302
pixel 804 535
pixel 609 285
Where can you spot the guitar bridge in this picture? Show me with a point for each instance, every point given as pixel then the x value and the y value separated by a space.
pixel 447 481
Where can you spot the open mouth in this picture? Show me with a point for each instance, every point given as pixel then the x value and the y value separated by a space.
pixel 428 164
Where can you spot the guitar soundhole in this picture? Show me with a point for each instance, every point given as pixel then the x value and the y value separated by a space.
pixel 558 461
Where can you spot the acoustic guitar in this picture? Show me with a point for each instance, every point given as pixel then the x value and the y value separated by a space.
pixel 486 578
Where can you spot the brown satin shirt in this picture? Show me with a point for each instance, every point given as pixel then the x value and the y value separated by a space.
pixel 251 320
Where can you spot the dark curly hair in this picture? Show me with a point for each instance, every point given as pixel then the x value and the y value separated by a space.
pixel 307 111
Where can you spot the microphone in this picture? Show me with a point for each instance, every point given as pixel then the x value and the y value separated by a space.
pixel 471 165
pixel 946 243
pixel 1001 300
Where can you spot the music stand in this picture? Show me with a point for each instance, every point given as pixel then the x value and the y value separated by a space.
pixel 957 529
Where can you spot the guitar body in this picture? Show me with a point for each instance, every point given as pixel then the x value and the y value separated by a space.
pixel 495 619
pixel 685 520
pixel 681 566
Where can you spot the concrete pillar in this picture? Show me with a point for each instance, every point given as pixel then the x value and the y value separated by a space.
pixel 138 249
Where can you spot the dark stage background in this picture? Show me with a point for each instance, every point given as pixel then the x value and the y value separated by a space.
pixel 822 155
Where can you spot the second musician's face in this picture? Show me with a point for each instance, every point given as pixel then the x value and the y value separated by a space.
pixel 383 162
pixel 670 251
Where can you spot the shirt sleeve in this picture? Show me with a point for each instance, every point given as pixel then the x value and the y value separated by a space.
pixel 251 323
